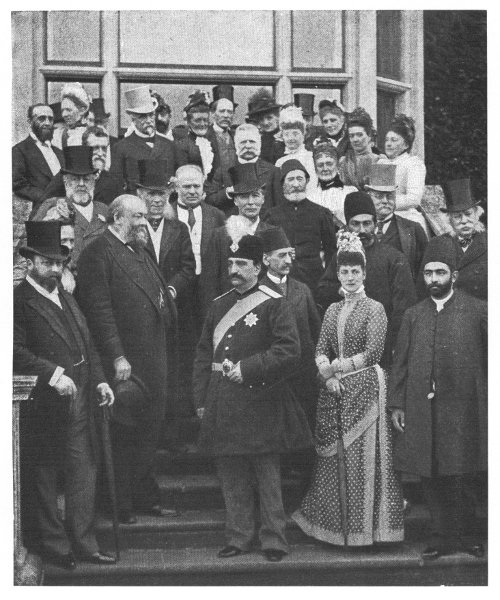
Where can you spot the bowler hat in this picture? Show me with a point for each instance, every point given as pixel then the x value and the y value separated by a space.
pixel 78 160
pixel 249 247
pixel 441 249
pixel 56 109
pixel 458 196
pixel 97 107
pixel 139 100
pixel 244 178
pixel 306 103
pixel 44 239
pixel 152 174
pixel 382 178
pixel 132 399
pixel 197 98
pixel 292 165
pixel 223 91
pixel 358 203
pixel 274 238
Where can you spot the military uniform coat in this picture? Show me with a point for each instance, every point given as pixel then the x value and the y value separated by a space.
pixel 409 238
pixel 261 415
pixel 449 348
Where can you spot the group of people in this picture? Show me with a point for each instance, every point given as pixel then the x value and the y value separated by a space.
pixel 277 280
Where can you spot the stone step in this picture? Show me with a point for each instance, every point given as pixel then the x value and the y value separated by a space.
pixel 307 564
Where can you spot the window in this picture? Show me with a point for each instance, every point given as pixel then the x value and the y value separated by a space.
pixel 389 44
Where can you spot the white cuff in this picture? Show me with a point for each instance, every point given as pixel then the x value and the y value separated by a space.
pixel 56 376
pixel 173 290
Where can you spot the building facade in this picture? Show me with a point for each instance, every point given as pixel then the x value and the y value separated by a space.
pixel 368 58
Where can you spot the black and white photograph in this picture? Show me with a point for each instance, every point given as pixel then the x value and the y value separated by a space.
pixel 249 296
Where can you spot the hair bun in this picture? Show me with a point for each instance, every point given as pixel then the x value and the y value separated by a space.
pixel 404 126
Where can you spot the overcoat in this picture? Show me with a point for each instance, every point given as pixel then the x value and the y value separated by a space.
pixel 122 304
pixel 409 238
pixel 42 343
pixel 261 415
pixel 188 153
pixel 449 347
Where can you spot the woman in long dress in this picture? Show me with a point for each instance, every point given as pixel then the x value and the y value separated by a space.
pixel 352 401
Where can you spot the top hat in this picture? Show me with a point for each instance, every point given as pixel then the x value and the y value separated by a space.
pixel 56 109
pixel 197 98
pixel 244 178
pixel 292 165
pixel 223 91
pixel 152 174
pixel 458 196
pixel 139 100
pixel 132 398
pixel 44 238
pixel 382 178
pixel 97 107
pixel 249 247
pixel 78 160
pixel 261 102
pixel 306 103
pixel 358 203
pixel 274 239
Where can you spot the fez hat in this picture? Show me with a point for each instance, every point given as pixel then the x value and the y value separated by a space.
pixel 44 238
pixel 249 247
pixel 292 165
pixel 244 178
pixel 152 174
pixel 56 109
pixel 458 196
pixel 223 91
pixel 78 160
pixel 441 249
pixel 382 178
pixel 306 103
pixel 132 398
pixel 139 100
pixel 97 107
pixel 274 239
pixel 358 203
pixel 262 101
pixel 197 98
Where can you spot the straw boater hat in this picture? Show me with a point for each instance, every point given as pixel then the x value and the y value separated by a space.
pixel 382 178
pixel 139 100
pixel 44 238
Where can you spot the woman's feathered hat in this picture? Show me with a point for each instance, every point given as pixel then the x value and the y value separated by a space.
pixel 348 242
pixel 261 101
pixel 292 116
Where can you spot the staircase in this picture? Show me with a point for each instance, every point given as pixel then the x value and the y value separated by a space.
pixel 183 550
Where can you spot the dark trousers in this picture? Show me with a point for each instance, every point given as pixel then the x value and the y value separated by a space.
pixel 238 475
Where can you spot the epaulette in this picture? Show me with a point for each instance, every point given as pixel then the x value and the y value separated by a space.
pixel 270 292
pixel 224 294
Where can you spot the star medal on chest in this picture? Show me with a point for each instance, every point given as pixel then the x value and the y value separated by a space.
pixel 251 319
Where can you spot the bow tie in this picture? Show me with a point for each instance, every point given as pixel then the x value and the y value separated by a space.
pixel 155 223
pixel 465 242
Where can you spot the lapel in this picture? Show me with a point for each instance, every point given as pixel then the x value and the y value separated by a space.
pixel 169 237
pixel 401 228
pixel 84 228
pixel 270 284
pixel 157 150
pixel 207 226
pixel 77 315
pixel 150 249
pixel 37 158
pixel 478 247
pixel 262 169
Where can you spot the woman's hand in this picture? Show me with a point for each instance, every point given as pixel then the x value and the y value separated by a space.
pixel 334 386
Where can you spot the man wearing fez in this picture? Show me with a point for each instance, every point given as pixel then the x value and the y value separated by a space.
pixel 196 148
pixel 143 143
pixel 248 350
pixel 79 177
pixel 438 397
pixel 106 187
pixel 51 341
pixel 469 237
pixel 248 199
pixel 133 319
pixel 388 274
pixel 248 146
pixel 264 112
pixel 222 113
pixel 406 236
pixel 35 160
pixel 309 227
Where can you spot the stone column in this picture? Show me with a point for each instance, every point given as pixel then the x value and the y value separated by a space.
pixel 28 568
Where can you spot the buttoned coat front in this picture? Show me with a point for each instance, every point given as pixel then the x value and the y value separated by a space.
pixel 261 415
pixel 450 348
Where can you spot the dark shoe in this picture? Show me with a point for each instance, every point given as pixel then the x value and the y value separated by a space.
pixel 159 511
pixel 476 550
pixel 435 552
pixel 274 555
pixel 229 552
pixel 100 558
pixel 126 517
pixel 65 561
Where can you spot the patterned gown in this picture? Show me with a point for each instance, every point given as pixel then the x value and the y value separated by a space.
pixel 354 331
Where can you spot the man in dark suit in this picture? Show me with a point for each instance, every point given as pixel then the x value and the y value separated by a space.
pixel 133 318
pixel 34 160
pixel 79 177
pixel 106 186
pixel 143 143
pixel 220 132
pixel 197 148
pixel 51 341
pixel 406 236
pixel 470 240
pixel 248 199
pixel 248 146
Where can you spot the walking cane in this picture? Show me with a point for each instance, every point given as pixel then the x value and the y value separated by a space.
pixel 342 472
pixel 110 475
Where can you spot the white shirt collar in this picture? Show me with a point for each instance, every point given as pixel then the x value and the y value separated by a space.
pixel 218 129
pixel 244 162
pixel 440 302
pixel 85 211
pixel 52 296
pixel 276 279
pixel 142 135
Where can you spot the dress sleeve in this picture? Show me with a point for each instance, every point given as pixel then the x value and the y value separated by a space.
pixel 325 346
pixel 415 184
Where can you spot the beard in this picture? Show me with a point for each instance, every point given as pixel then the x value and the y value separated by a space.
pixel 81 198
pixel 161 126
pixel 440 290
pixel 138 236
pixel 43 133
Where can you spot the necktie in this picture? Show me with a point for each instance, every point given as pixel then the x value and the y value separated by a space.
pixel 155 223
pixel 465 242
pixel 191 217
pixel 282 286
pixel 380 230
